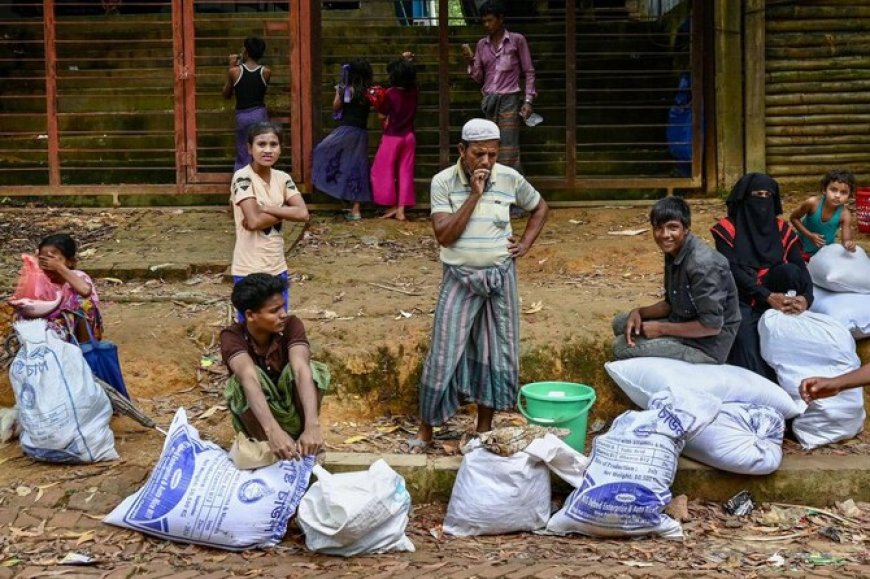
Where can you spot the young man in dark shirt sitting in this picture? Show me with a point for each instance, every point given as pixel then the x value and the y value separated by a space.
pixel 274 391
pixel 698 318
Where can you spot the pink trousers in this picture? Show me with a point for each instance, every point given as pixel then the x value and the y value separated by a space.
pixel 393 170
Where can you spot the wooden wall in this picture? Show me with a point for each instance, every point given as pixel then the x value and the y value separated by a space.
pixel 816 90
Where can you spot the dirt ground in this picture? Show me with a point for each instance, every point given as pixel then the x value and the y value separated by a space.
pixel 358 286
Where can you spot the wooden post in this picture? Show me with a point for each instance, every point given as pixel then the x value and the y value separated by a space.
pixel 571 92
pixel 444 144
pixel 754 71
pixel 729 92
pixel 52 129
pixel 305 77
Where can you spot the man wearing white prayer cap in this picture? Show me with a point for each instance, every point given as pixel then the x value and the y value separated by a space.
pixel 474 355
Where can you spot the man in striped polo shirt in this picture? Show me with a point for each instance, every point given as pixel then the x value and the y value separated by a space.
pixel 474 356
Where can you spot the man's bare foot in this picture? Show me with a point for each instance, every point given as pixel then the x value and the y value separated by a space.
pixel 391 212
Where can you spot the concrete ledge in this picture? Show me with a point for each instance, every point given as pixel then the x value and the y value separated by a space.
pixel 806 480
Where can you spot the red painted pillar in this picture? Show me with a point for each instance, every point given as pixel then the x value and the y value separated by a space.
pixel 50 40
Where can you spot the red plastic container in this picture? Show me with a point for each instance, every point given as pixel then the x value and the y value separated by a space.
pixel 862 208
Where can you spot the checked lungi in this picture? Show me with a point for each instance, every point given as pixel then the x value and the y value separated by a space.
pixel 504 110
pixel 474 356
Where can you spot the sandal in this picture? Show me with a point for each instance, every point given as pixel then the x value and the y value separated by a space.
pixel 352 216
pixel 414 446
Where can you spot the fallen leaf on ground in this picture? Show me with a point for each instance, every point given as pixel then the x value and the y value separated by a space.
pixel 848 508
pixel 637 564
pixel 23 491
pixel 85 537
pixel 211 411
pixel 534 308
pixel 40 490
pixel 355 439
pixel 113 280
pixel 629 232
pixel 403 314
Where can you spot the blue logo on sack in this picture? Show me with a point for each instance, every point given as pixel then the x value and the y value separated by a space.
pixel 17 367
pixel 28 396
pixel 253 490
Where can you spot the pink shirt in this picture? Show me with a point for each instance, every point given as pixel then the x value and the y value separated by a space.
pixel 400 105
pixel 498 68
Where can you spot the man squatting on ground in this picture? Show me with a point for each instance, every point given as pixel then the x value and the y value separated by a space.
pixel 274 391
pixel 474 356
pixel 698 318
pixel 496 64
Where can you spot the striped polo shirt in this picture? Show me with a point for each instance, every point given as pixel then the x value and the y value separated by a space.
pixel 485 239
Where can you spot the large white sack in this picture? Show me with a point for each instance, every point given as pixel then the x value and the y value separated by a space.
pixel 640 378
pixel 196 495
pixel 64 414
pixel 836 269
pixel 849 308
pixel 494 495
pixel 628 482
pixel 354 513
pixel 810 344
pixel 562 460
pixel 743 438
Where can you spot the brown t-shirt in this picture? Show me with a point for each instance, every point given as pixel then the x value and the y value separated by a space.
pixel 236 339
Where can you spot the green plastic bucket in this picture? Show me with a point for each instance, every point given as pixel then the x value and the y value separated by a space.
pixel 558 404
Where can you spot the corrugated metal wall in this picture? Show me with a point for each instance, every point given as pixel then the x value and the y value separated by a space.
pixel 817 89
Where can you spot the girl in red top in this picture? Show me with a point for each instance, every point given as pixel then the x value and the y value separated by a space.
pixel 393 168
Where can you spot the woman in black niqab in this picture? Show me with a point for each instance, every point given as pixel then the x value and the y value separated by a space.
pixel 766 263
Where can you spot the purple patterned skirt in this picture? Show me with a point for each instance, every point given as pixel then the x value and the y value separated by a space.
pixel 341 164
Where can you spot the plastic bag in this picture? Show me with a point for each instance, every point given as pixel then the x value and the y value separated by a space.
pixel 810 344
pixel 627 484
pixel 35 295
pixel 743 438
pixel 353 513
pixel 64 414
pixel 196 495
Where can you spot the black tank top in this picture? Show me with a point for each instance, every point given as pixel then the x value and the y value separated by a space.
pixel 356 113
pixel 250 89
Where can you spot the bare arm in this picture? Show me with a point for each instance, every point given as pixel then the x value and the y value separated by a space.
pixel 267 74
pixel 533 229
pixel 294 209
pixel 634 325
pixel 55 264
pixel 846 229
pixel 256 217
pixel 279 441
pixel 815 387
pixel 311 439
pixel 233 73
pixel 807 207
pixel 692 329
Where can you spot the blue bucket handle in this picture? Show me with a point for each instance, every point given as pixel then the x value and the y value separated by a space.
pixel 525 413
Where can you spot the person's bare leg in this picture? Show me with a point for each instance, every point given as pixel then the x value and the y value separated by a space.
pixel 391 212
pixel 355 210
pixel 400 213
pixel 484 418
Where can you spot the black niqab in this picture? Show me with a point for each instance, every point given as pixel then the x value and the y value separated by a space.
pixel 757 242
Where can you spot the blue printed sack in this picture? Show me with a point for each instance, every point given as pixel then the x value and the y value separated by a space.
pixel 628 482
pixel 64 414
pixel 195 494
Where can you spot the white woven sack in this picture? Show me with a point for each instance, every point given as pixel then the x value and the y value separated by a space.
pixel 640 378
pixel 495 495
pixel 64 414
pixel 196 495
pixel 838 270
pixel 849 308
pixel 627 484
pixel 810 344
pixel 355 513
pixel 743 438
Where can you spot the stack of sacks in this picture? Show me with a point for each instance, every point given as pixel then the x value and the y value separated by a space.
pixel 745 436
pixel 495 494
pixel 628 482
pixel 806 345
pixel 842 287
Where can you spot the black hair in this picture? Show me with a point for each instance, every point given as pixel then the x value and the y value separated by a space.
pixel 64 243
pixel 493 7
pixel 262 128
pixel 255 46
pixel 402 73
pixel 252 292
pixel 359 76
pixel 670 209
pixel 842 176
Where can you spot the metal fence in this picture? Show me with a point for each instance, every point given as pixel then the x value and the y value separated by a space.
pixel 123 96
